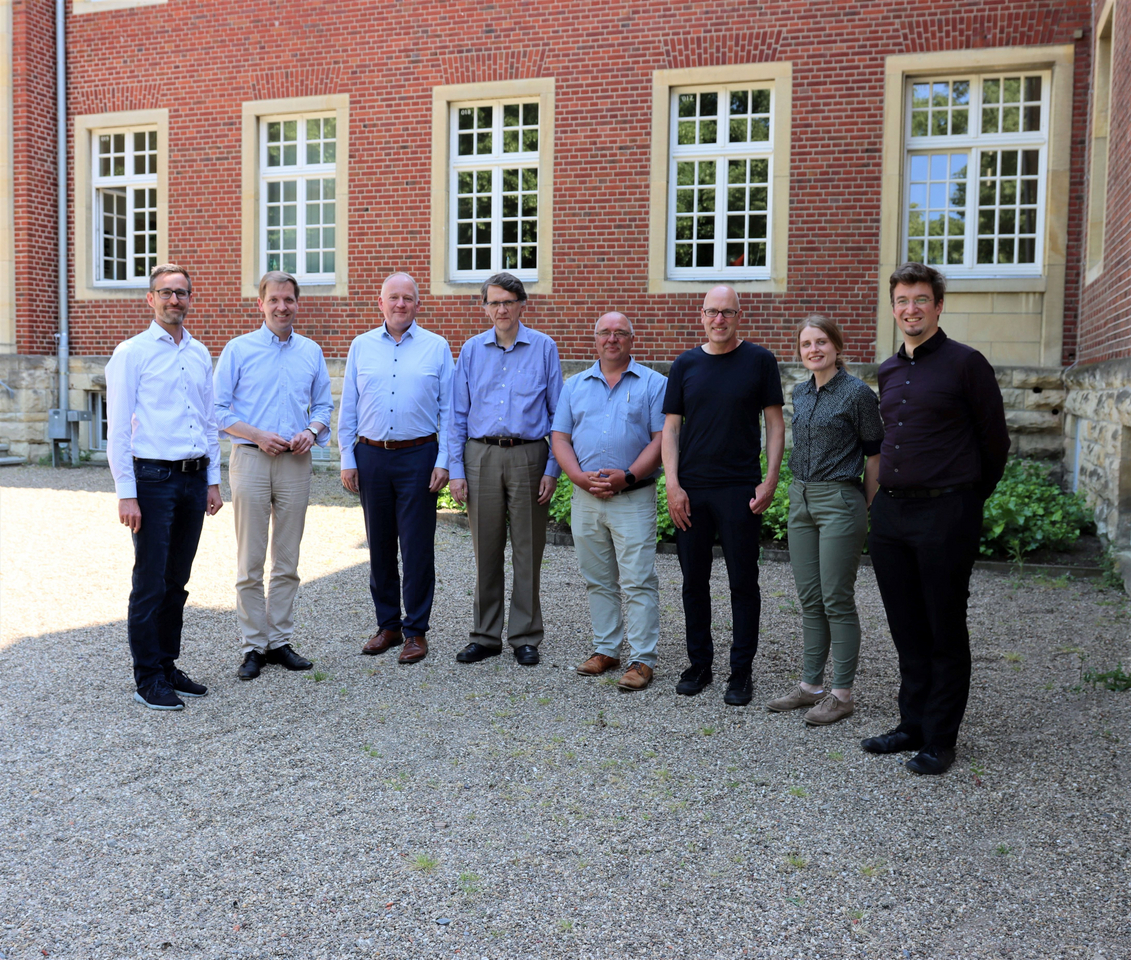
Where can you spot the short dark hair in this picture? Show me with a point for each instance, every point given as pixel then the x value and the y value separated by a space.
pixel 912 273
pixel 276 276
pixel 166 268
pixel 508 281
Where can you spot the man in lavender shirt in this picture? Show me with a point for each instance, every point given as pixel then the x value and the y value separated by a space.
pixel 504 396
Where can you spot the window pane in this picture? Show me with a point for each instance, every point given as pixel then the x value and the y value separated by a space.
pixel 935 206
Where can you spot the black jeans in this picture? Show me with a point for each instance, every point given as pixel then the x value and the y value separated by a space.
pixel 725 510
pixel 172 513
pixel 923 551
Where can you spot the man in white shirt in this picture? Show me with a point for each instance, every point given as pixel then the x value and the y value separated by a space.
pixel 164 454
pixel 393 437
pixel 273 399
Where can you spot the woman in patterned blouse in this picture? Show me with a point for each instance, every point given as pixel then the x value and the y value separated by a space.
pixel 837 433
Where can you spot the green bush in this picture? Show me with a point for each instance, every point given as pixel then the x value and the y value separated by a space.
pixel 1028 511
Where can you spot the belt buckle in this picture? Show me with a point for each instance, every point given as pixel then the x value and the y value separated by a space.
pixel 386 444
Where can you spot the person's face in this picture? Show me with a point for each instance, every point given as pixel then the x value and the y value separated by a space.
pixel 505 309
pixel 613 338
pixel 817 351
pixel 720 328
pixel 170 311
pixel 398 304
pixel 278 306
pixel 915 310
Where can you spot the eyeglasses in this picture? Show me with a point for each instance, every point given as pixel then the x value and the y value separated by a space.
pixel 496 304
pixel 710 313
pixel 918 301
pixel 167 294
pixel 619 334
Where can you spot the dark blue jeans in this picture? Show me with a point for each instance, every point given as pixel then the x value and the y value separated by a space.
pixel 172 512
pixel 725 510
pixel 398 505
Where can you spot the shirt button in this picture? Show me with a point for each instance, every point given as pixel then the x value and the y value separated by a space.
pixel 897 469
pixel 906 381
pixel 897 446
pixel 903 401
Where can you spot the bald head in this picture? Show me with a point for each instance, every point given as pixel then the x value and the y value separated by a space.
pixel 613 321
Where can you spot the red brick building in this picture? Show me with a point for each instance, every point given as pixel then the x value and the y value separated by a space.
pixel 625 155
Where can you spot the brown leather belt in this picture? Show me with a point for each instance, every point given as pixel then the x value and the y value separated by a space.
pixel 397 444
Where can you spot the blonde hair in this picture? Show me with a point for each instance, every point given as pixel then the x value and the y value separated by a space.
pixel 830 329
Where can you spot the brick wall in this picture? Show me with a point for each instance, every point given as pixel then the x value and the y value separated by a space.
pixel 203 60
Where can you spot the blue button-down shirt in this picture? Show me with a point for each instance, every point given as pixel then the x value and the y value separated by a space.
pixel 609 426
pixel 505 392
pixel 277 385
pixel 396 391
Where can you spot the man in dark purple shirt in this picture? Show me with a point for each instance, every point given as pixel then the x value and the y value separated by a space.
pixel 944 451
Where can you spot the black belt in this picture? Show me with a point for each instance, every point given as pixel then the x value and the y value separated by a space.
pixel 647 482
pixel 922 492
pixel 397 444
pixel 505 441
pixel 181 466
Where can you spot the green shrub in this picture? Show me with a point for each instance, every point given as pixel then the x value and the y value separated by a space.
pixel 1028 511
pixel 445 501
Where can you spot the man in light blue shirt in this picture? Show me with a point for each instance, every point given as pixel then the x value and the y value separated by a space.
pixel 506 391
pixel 393 436
pixel 272 394
pixel 606 436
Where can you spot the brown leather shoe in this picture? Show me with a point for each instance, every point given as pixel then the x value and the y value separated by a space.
pixel 415 648
pixel 381 641
pixel 597 664
pixel 636 677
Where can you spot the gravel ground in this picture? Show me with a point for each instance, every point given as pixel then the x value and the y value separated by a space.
pixel 487 811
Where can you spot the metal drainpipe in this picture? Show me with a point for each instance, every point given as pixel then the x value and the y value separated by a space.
pixel 61 164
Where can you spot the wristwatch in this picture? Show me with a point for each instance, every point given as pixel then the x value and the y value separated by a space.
pixel 312 432
pixel 629 478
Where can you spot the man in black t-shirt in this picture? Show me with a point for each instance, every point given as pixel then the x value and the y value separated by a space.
pixel 711 446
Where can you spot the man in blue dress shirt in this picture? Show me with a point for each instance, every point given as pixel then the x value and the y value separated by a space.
pixel 393 436
pixel 272 394
pixel 165 457
pixel 606 437
pixel 506 391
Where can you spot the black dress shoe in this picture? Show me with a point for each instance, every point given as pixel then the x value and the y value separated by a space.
pixel 252 664
pixel 526 655
pixel 931 761
pixel 740 688
pixel 474 652
pixel 894 741
pixel 694 680
pixel 286 657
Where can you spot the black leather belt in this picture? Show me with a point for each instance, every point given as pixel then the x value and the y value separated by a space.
pixel 181 466
pixel 505 441
pixel 922 492
pixel 647 482
pixel 397 444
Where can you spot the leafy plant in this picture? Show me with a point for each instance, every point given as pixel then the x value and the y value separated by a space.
pixel 445 501
pixel 1028 511
pixel 1117 680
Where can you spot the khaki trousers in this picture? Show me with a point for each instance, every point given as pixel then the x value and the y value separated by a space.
pixel 502 486
pixel 266 489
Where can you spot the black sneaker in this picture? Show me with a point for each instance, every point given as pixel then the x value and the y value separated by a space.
pixel 740 688
pixel 159 696
pixel 183 684
pixel 694 680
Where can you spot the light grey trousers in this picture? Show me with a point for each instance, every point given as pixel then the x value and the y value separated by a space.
pixel 827 526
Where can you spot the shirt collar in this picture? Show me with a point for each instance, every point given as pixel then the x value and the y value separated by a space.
pixel 523 336
pixel 270 337
pixel 595 370
pixel 158 332
pixel 833 383
pixel 926 347
pixel 408 333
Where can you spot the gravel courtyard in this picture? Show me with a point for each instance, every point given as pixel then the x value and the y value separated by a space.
pixel 497 811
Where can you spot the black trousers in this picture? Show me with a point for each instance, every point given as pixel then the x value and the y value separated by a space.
pixel 923 551
pixel 726 511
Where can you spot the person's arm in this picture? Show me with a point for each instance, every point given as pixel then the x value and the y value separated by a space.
pixel 988 412
pixel 267 441
pixel 317 431
pixel 347 422
pixel 775 450
pixel 121 396
pixel 644 465
pixel 554 384
pixel 679 506
pixel 214 500
pixel 440 472
pixel 562 445
pixel 871 478
pixel 457 433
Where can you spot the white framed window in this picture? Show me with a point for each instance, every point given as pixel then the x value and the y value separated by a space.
pixel 124 219
pixel 975 175
pixel 298 196
pixel 494 189
pixel 720 182
pixel 96 405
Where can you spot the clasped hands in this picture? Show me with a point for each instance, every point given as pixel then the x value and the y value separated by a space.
pixel 274 444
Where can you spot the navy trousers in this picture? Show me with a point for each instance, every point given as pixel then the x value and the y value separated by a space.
pixel 726 511
pixel 172 513
pixel 923 550
pixel 398 505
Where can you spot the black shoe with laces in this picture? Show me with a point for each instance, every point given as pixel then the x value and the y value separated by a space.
pixel 740 688
pixel 183 684
pixel 285 656
pixel 253 662
pixel 694 680
pixel 158 695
